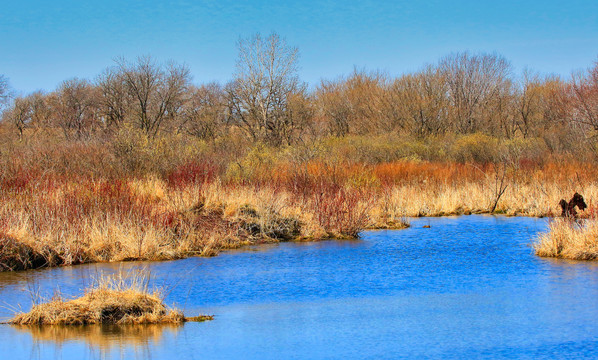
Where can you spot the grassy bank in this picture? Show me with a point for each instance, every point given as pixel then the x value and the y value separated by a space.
pixel 576 240
pixel 98 220
pixel 148 219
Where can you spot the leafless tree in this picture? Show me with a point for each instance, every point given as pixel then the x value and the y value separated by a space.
pixel 559 132
pixel 500 115
pixel 204 114
pixel 300 114
pixel 365 92
pixel 41 112
pixel 529 103
pixel 75 109
pixel 19 115
pixel 474 82
pixel 114 101
pixel 265 79
pixel 335 106
pixel 358 104
pixel 420 102
pixel 157 91
pixel 584 93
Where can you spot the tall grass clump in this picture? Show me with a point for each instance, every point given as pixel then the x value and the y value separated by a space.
pixel 567 239
pixel 115 299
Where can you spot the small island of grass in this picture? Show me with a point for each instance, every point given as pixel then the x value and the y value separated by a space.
pixel 110 301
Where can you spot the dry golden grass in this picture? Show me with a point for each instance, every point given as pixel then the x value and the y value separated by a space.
pixel 112 300
pixel 50 219
pixel 569 239
pixel 160 223
pixel 101 306
pixel 169 223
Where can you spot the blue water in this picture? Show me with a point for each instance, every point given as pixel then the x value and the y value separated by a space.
pixel 467 287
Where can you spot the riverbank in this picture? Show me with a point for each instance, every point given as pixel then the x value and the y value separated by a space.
pixel 148 219
pixel 569 239
pixel 75 203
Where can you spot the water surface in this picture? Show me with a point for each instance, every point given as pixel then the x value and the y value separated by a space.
pixel 467 287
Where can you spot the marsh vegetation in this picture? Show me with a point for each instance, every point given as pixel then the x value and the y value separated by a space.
pixel 139 163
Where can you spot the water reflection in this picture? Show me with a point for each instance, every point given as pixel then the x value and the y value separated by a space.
pixel 100 341
pixel 101 336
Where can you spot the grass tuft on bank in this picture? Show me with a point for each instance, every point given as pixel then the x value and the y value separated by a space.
pixel 569 239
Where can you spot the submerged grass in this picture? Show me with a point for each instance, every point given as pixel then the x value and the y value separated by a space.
pixel 116 300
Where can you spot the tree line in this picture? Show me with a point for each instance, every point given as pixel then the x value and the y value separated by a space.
pixel 266 101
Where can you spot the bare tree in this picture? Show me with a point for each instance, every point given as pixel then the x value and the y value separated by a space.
pixel 499 116
pixel 529 110
pixel 114 101
pixel 584 93
pixel 5 92
pixel 365 92
pixel 419 102
pixel 157 91
pixel 300 114
pixel 41 112
pixel 474 82
pixel 19 115
pixel 335 106
pixel 558 131
pixel 75 109
pixel 265 79
pixel 204 114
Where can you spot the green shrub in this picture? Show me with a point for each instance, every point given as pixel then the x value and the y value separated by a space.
pixel 260 160
pixel 138 153
pixel 478 148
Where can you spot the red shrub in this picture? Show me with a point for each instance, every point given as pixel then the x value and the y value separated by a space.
pixel 19 179
pixel 193 172
pixel 337 209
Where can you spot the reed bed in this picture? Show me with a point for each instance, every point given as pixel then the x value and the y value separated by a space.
pixel 57 209
pixel 569 239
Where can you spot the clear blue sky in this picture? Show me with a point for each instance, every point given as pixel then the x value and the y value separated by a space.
pixel 45 42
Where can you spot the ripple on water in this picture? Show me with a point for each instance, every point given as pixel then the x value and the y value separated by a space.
pixel 467 287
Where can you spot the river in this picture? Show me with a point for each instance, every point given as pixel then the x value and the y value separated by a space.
pixel 466 287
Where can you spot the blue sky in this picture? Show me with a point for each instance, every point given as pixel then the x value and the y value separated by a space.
pixel 45 42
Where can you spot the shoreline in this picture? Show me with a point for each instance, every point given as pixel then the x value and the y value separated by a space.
pixel 299 239
pixel 51 220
